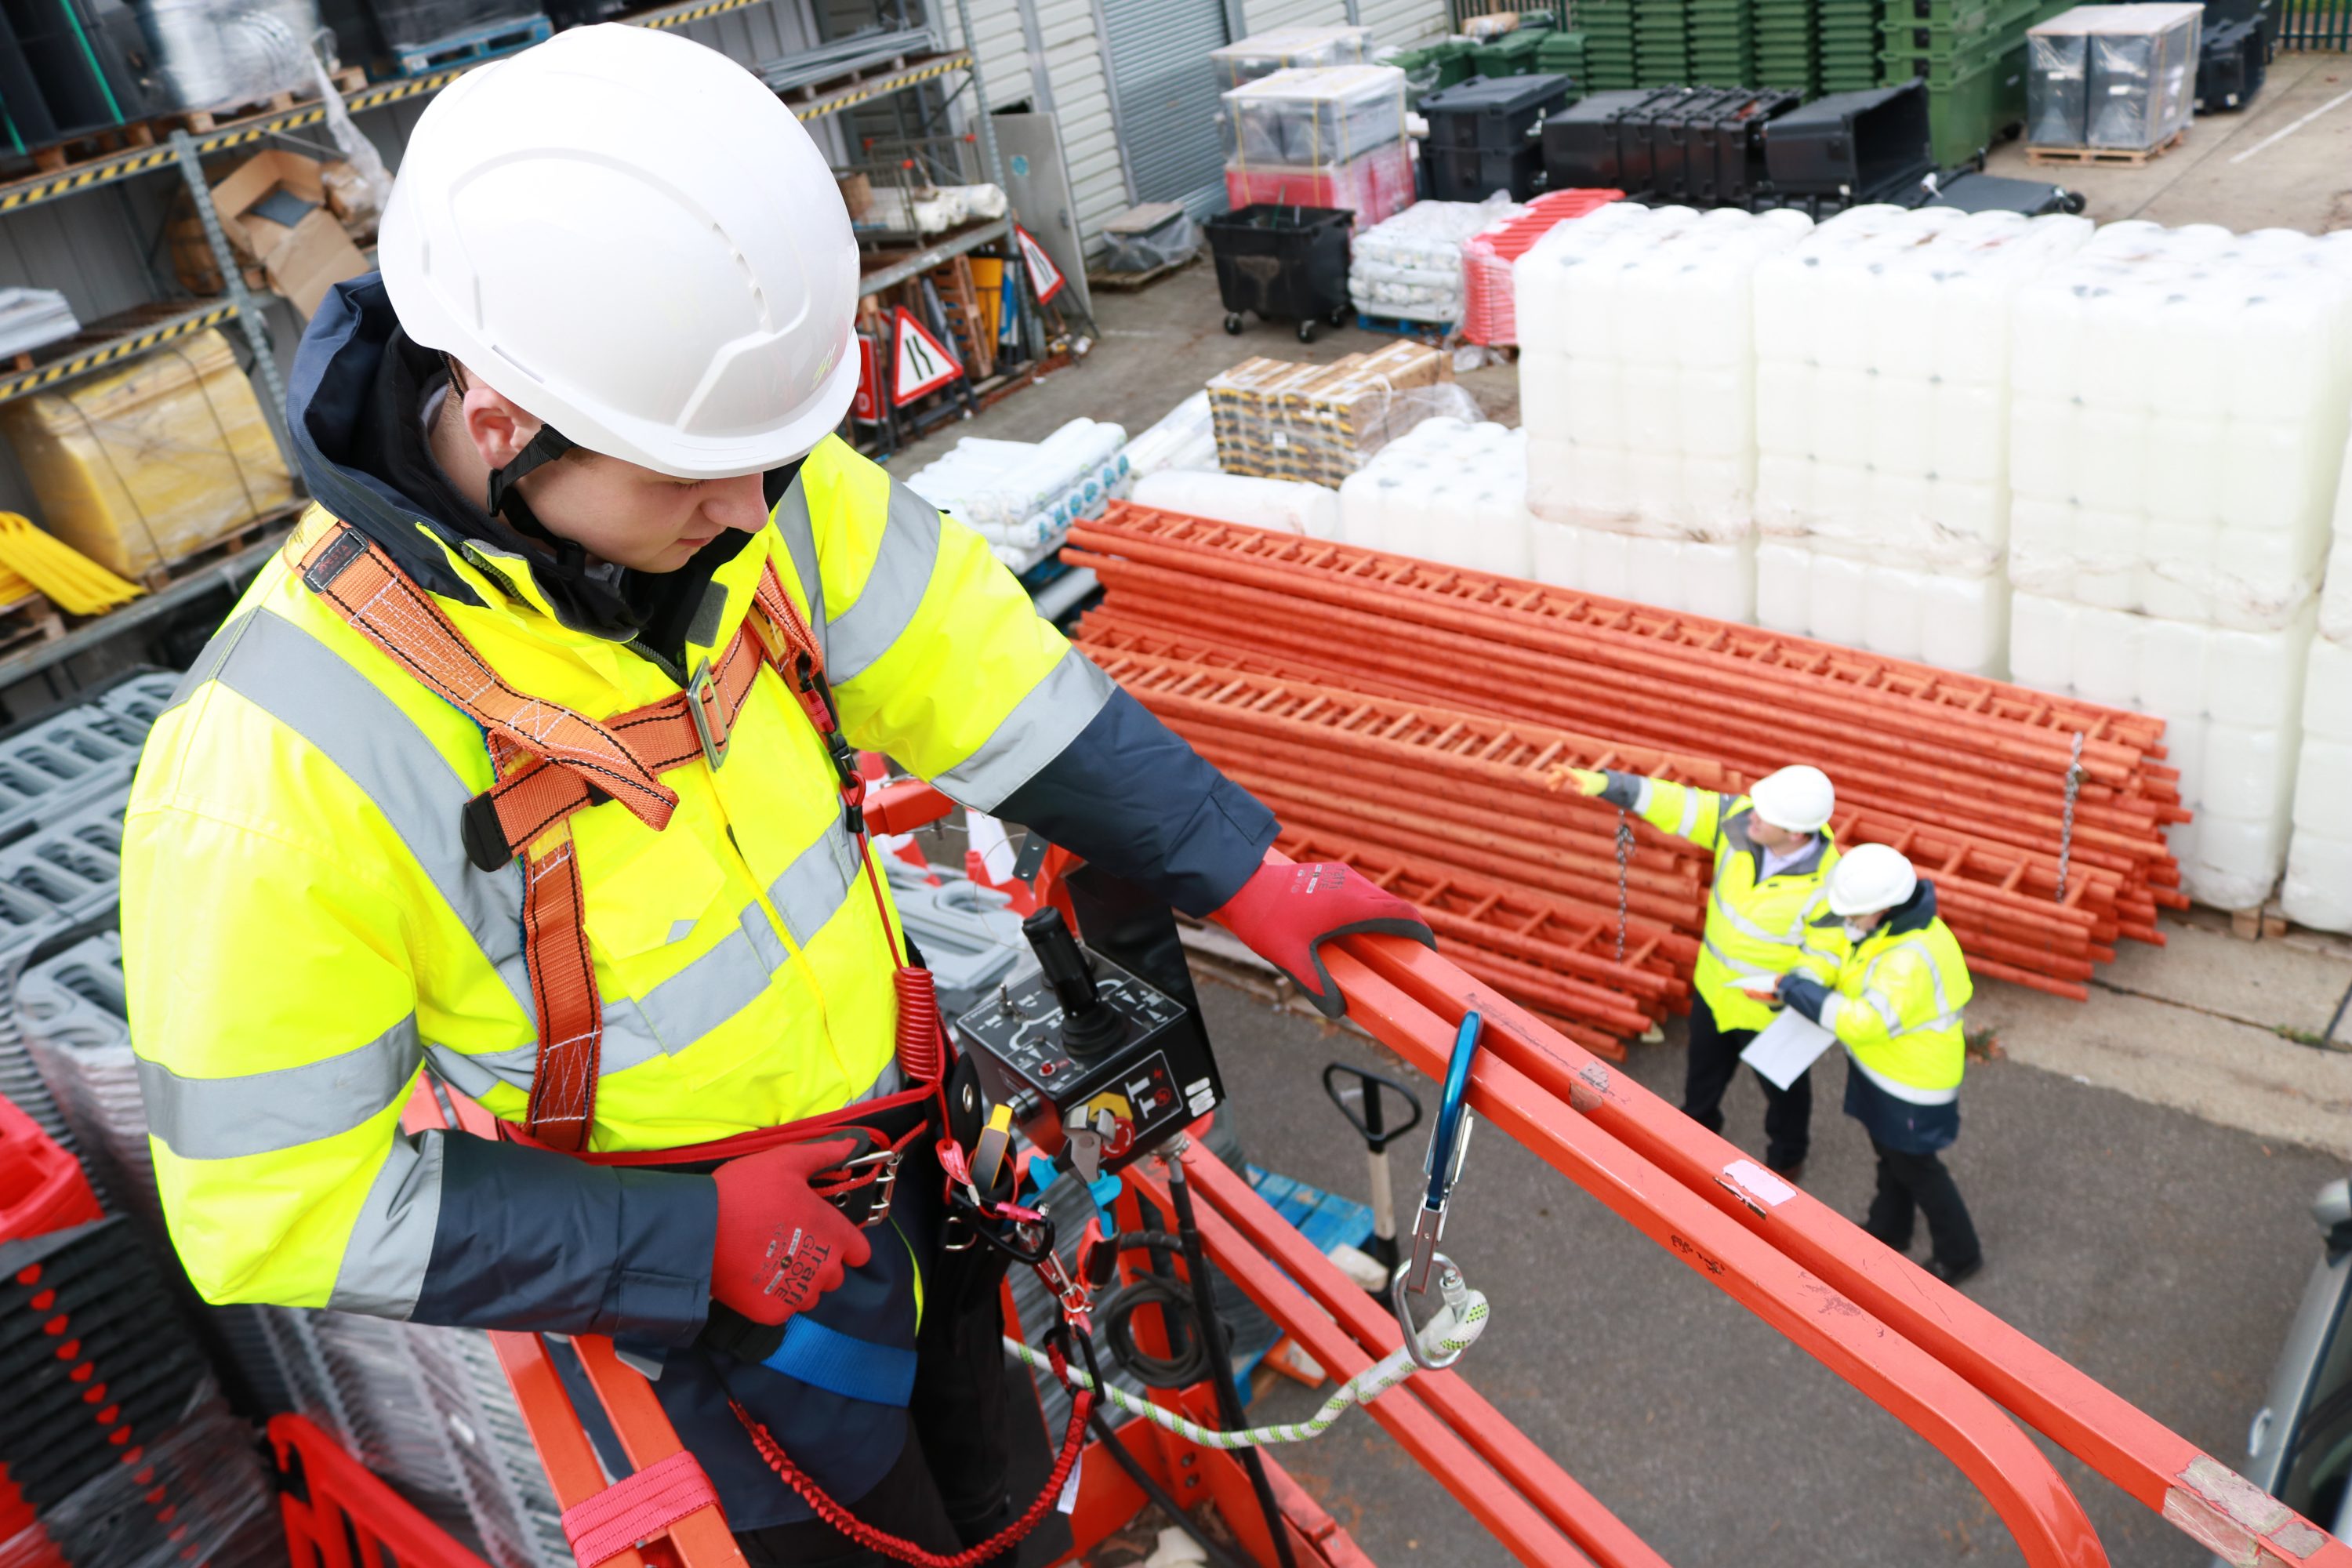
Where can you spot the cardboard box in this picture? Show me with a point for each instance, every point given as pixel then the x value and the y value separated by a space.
pixel 273 208
pixel 856 194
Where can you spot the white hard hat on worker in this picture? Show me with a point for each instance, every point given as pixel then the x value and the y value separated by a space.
pixel 1797 800
pixel 1870 879
pixel 631 238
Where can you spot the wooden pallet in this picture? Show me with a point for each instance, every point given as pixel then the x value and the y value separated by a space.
pixel 31 619
pixel 2115 157
pixel 61 156
pixel 266 527
pixel 1435 334
pixel 1129 281
pixel 967 321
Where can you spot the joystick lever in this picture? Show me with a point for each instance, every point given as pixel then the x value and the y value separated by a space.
pixel 1090 1025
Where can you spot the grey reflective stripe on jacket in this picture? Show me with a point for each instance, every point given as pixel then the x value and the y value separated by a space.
pixel 304 685
pixel 262 1113
pixel 1040 728
pixel 1884 1005
pixel 903 563
pixel 391 1245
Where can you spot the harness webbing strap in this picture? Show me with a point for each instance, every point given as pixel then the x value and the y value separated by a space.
pixel 382 604
pixel 551 761
pixel 506 819
pixel 562 1105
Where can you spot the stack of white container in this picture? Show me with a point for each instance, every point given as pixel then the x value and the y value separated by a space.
pixel 1637 389
pixel 2318 888
pixel 2178 403
pixel 1882 428
pixel 1023 496
pixel 1447 489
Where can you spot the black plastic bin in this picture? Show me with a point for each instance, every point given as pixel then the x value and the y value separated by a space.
pixel 1282 264
pixel 2231 63
pixel 1465 175
pixel 1863 146
pixel 1492 114
pixel 1604 141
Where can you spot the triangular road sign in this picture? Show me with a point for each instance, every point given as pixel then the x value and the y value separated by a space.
pixel 1044 278
pixel 919 363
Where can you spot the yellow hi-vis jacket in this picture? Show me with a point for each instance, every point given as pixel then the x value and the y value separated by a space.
pixel 1897 1006
pixel 1755 924
pixel 303 930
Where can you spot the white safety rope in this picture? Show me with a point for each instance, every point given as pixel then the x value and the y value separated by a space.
pixel 1450 1332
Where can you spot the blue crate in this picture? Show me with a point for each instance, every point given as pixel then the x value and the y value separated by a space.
pixel 1323 1218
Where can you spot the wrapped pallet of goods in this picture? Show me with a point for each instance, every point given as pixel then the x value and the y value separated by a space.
pixel 1410 268
pixel 1322 137
pixel 2317 891
pixel 1637 389
pixel 143 465
pixel 1318 423
pixel 2178 401
pixel 1881 409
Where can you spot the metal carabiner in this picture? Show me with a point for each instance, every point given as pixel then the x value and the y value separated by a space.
pixel 1451 1287
pixel 1448 1143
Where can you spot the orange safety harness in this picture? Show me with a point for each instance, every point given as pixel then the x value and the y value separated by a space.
pixel 553 762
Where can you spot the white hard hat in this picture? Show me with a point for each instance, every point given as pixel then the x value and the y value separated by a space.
pixel 1869 878
pixel 1798 799
pixel 632 237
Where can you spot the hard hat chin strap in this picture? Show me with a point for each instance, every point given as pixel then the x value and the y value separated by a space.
pixel 506 499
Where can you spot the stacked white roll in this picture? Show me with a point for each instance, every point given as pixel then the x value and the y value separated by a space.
pixel 1024 495
pixel 1410 266
pixel 2178 418
pixel 2318 888
pixel 1881 426
pixel 1637 389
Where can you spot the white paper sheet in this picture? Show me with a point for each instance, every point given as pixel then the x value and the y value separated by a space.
pixel 1786 1047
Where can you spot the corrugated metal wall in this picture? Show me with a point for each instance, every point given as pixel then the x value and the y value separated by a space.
pixel 1002 53
pixel 1401 22
pixel 1263 15
pixel 1167 89
pixel 1074 67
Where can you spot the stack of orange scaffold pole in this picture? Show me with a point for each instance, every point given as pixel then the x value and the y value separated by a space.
pixel 2038 877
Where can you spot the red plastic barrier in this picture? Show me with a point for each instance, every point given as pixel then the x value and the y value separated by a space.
pixel 42 1188
pixel 351 1519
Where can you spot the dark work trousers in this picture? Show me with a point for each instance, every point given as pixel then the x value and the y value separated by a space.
pixel 1909 1183
pixel 1713 1058
pixel 948 1489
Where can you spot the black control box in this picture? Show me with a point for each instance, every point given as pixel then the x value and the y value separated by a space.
pixel 1097 1064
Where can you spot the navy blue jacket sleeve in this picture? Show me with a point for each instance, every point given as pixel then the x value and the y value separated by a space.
pixel 1130 796
pixel 1804 994
pixel 529 1238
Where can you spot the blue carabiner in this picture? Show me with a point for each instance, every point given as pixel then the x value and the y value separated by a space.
pixel 1448 1143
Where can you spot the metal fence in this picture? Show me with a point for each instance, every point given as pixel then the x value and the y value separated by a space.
pixel 2314 24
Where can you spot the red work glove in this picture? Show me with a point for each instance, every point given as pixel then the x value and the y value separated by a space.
pixel 1286 913
pixel 780 1246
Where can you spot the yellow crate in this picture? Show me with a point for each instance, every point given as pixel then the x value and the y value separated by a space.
pixel 139 467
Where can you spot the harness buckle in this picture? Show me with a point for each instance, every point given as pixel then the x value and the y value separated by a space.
pixel 706 708
pixel 877 1192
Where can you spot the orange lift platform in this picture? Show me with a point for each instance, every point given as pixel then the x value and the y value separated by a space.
pixel 1946 1367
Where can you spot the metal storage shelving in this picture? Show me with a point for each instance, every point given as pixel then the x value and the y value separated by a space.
pixel 888 69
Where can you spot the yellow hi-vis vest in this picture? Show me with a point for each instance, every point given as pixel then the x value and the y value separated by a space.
pixel 1897 1008
pixel 1755 924
pixel 304 931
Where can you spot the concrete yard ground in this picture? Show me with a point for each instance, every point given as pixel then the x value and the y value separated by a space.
pixel 2140 1164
